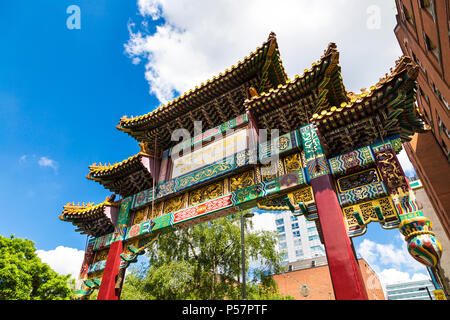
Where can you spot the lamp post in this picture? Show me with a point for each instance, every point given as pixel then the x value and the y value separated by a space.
pixel 247 215
pixel 421 289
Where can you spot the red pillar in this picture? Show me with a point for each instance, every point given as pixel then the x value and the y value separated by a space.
pixel 348 283
pixel 107 289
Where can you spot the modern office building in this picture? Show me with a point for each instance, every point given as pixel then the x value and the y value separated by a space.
pixel 422 31
pixel 411 290
pixel 298 238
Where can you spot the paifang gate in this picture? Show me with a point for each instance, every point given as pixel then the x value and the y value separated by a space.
pixel 333 159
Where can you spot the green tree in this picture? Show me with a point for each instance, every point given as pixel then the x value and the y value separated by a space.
pixel 23 276
pixel 204 262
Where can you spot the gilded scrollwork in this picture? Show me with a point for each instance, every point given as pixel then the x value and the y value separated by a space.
pixel 206 193
pixel 269 172
pixel 358 179
pixel 140 215
pixel 101 255
pixel 241 180
pixel 303 195
pixel 292 162
pixel 174 204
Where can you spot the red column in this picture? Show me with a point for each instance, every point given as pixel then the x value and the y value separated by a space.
pixel 107 289
pixel 348 283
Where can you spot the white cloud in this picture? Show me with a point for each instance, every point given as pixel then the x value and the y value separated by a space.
pixel 63 260
pixel 47 162
pixel 391 263
pixel 391 275
pixel 388 255
pixel 263 221
pixel 195 40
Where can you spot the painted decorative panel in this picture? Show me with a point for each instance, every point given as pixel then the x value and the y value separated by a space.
pixel 357 180
pixel 292 162
pixel 202 209
pixel 352 161
pixel 390 169
pixel 311 143
pixel 125 206
pixel 280 145
pixel 243 195
pixel 378 210
pixel 205 174
pixel 317 167
pixel 142 198
pixel 206 193
pixel 367 192
pixel 242 180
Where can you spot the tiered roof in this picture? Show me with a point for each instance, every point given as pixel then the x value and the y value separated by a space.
pixel 89 218
pixel 291 105
pixel 386 110
pixel 213 102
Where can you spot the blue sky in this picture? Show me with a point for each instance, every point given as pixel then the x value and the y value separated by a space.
pixel 62 91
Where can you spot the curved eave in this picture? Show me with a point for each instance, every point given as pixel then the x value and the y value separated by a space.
pixel 125 178
pixel 107 172
pixel 72 212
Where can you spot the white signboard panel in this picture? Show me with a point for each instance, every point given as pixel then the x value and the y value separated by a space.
pixel 213 152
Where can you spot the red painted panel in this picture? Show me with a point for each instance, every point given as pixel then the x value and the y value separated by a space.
pixel 346 276
pixel 107 289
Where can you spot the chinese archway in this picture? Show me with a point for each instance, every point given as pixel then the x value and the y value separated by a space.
pixel 333 160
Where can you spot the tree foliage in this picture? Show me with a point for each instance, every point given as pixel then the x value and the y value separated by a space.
pixel 23 276
pixel 204 262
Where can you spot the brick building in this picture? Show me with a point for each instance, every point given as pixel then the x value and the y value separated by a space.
pixel 423 34
pixel 310 280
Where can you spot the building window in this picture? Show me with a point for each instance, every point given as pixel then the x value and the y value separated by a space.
pixel 280 229
pixel 283 245
pixel 295 226
pixel 312 229
pixel 313 237
pixel 279 222
pixel 416 60
pixel 431 46
pixel 297 242
pixel 296 234
pixel 298 253
pixel 439 95
pixel 428 5
pixel 294 218
pixel 440 124
pixel 317 249
pixel 445 103
pixel 281 237
pixel 408 15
